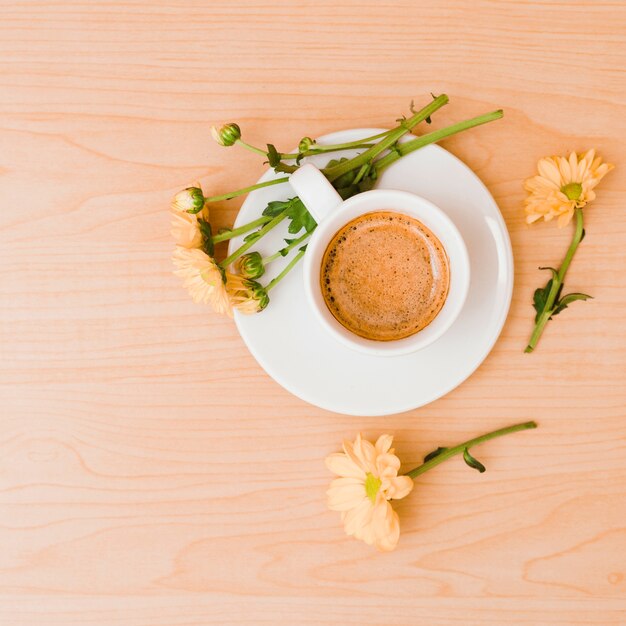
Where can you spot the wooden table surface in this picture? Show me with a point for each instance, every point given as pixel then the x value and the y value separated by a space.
pixel 150 472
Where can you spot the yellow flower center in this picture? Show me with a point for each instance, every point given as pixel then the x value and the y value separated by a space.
pixel 572 190
pixel 372 485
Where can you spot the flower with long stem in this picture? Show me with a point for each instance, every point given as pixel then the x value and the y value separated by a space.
pixel 368 480
pixel 562 188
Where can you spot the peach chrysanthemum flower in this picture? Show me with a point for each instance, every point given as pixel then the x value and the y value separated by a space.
pixel 368 480
pixel 185 230
pixel 563 184
pixel 202 278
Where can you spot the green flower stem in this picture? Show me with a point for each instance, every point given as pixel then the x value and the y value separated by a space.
pixel 437 135
pixel 286 271
pixel 450 452
pixel 286 249
pixel 245 190
pixel 335 147
pixel 387 142
pixel 242 230
pixel 364 169
pixel 329 148
pixel 557 281
pixel 250 147
pixel 319 149
pixel 248 244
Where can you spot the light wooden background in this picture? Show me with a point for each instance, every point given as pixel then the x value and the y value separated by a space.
pixel 150 472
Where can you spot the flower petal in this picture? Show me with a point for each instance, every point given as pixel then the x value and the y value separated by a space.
pixel 383 444
pixel 549 170
pixel 365 452
pixel 565 218
pixel 565 169
pixel 357 518
pixel 345 494
pixel 387 465
pixel 342 465
pixel 386 526
pixel 400 487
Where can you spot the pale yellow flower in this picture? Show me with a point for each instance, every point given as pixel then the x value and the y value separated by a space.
pixel 563 184
pixel 202 278
pixel 246 295
pixel 185 230
pixel 368 480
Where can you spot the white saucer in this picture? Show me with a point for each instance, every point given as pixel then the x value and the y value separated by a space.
pixel 300 355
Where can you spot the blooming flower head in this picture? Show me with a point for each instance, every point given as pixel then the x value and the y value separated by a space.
pixel 190 200
pixel 563 184
pixel 368 480
pixel 227 134
pixel 185 230
pixel 202 277
pixel 246 295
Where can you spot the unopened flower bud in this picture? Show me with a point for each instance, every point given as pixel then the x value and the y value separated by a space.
pixel 305 144
pixel 227 135
pixel 190 200
pixel 251 265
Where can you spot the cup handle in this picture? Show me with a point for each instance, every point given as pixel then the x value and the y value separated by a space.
pixel 317 194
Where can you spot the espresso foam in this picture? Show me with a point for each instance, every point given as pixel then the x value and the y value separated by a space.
pixel 384 276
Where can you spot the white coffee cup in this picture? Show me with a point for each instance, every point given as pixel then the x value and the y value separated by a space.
pixel 331 213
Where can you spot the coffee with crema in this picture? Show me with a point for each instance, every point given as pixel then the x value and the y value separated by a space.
pixel 384 276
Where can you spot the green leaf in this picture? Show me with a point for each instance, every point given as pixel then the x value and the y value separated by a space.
pixel 472 462
pixel 348 192
pixel 207 236
pixel 540 297
pixel 568 299
pixel 303 248
pixel 272 155
pixel 367 183
pixel 252 236
pixel 276 207
pixel 345 180
pixel 296 212
pixel 433 454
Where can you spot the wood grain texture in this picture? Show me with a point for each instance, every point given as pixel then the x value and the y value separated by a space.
pixel 150 472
